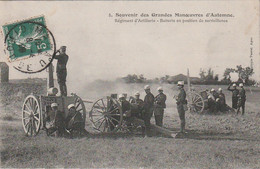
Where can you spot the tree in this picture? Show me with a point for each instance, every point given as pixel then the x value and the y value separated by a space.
pixel 202 74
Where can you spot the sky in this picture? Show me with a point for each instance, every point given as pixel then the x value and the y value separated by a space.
pixel 99 48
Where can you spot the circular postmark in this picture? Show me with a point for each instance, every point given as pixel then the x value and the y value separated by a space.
pixel 29 45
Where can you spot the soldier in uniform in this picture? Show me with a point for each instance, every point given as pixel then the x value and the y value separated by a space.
pixel 214 93
pixel 148 109
pixel 159 106
pixel 242 99
pixel 235 92
pixel 75 122
pixel 61 69
pixel 181 101
pixel 222 100
pixel 126 106
pixel 55 121
pixel 139 105
pixel 212 104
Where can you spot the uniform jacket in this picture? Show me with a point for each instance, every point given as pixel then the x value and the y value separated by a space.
pixel 235 92
pixel 139 103
pixel 159 100
pixel 222 98
pixel 62 62
pixel 148 101
pixel 126 106
pixel 242 94
pixel 181 99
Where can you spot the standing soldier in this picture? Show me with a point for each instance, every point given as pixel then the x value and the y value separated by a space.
pixel 159 106
pixel 181 101
pixel 235 93
pixel 148 109
pixel 62 70
pixel 242 99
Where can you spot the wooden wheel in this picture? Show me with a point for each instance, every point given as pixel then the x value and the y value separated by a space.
pixel 31 115
pixel 106 115
pixel 80 107
pixel 195 102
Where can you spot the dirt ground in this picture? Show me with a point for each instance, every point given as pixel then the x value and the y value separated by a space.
pixel 213 141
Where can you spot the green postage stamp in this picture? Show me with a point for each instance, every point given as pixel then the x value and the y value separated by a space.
pixel 29 39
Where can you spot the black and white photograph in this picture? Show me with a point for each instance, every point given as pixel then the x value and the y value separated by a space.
pixel 130 84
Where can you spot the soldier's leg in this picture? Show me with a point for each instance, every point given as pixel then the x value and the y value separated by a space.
pixel 65 89
pixel 64 82
pixel 243 107
pixel 147 123
pixel 182 117
pixel 238 109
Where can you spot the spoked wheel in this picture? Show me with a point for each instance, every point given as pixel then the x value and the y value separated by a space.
pixel 80 107
pixel 31 117
pixel 195 102
pixel 106 115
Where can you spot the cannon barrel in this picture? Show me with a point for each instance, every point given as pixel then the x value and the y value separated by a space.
pixel 159 129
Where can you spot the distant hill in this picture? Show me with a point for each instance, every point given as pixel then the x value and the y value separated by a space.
pixel 182 77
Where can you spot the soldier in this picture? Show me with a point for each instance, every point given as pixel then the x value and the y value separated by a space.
pixel 242 99
pixel 214 93
pixel 61 69
pixel 234 95
pixel 159 106
pixel 211 104
pixel 181 101
pixel 148 109
pixel 126 106
pixel 55 121
pixel 75 122
pixel 222 100
pixel 139 103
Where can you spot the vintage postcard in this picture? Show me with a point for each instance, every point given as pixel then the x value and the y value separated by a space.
pixel 130 84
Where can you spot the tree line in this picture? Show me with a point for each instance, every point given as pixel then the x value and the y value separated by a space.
pixel 206 77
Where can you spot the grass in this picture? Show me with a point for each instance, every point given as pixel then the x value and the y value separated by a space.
pixel 213 141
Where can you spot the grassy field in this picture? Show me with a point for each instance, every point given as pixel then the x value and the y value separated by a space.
pixel 213 141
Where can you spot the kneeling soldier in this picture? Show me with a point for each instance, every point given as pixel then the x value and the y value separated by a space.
pixel 139 105
pixel 75 122
pixel 55 121
pixel 159 106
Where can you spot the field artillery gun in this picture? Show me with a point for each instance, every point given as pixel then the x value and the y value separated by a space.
pixel 197 101
pixel 106 116
pixel 35 107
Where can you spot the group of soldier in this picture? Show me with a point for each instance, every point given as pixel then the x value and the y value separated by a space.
pixel 57 124
pixel 151 105
pixel 217 100
pixel 145 108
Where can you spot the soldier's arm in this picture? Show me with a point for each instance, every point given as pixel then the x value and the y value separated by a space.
pixel 55 55
pixel 229 88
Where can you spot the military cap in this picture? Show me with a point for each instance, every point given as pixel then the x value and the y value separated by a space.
pixel 146 87
pixel 54 105
pixel 212 90
pixel 180 83
pixel 137 94
pixel 121 96
pixel 234 85
pixel 160 88
pixel 219 89
pixel 241 85
pixel 70 106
